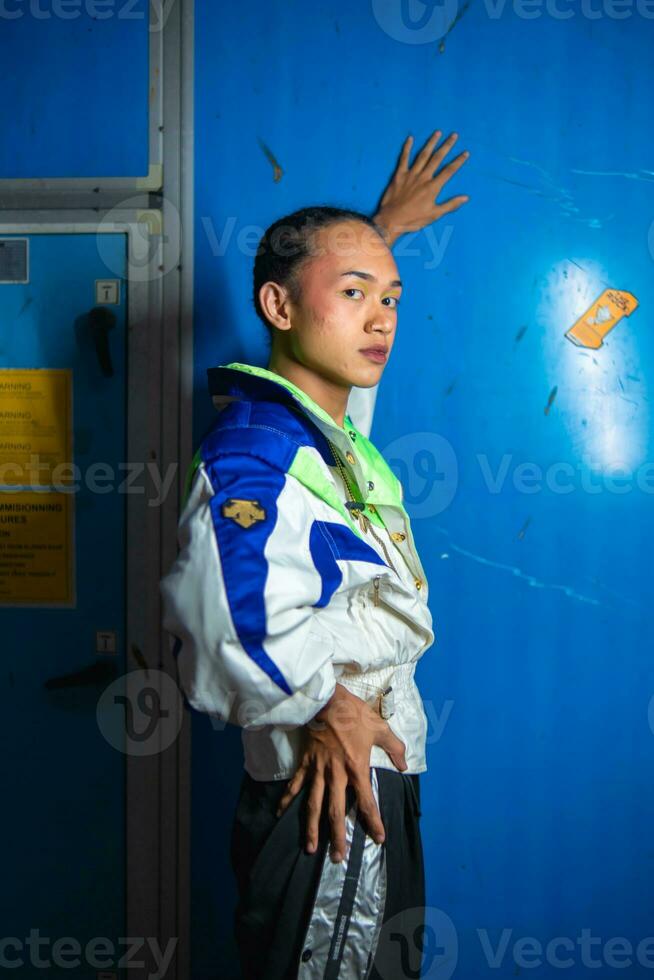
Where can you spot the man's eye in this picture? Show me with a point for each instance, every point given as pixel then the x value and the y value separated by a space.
pixel 395 301
pixel 353 289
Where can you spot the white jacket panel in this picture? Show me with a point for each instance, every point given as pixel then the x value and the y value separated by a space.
pixel 274 598
pixel 217 672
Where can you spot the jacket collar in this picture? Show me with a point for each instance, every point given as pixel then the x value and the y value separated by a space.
pixel 238 380
pixel 377 483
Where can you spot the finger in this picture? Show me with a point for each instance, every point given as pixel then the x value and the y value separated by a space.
pixel 402 165
pixel 442 151
pixel 337 790
pixel 394 747
pixel 451 168
pixel 452 204
pixel 314 809
pixel 423 157
pixel 368 809
pixel 293 788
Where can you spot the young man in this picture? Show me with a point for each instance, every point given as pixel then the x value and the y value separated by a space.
pixel 298 603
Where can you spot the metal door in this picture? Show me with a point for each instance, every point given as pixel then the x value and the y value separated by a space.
pixel 62 399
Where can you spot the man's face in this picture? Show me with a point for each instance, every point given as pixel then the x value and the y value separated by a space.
pixel 349 290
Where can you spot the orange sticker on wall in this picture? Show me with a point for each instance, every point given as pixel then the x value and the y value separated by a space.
pixel 592 327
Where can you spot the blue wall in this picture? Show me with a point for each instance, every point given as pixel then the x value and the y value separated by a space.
pixel 538 801
pixel 74 88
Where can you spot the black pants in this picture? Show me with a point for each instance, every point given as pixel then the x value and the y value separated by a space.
pixel 277 879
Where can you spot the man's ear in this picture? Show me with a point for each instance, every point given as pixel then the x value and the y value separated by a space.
pixel 275 302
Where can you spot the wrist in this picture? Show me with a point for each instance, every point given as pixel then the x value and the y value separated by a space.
pixel 390 230
pixel 340 694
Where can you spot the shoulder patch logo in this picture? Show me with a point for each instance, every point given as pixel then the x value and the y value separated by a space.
pixel 244 512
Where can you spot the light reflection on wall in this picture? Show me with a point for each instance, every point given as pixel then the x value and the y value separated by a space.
pixel 603 391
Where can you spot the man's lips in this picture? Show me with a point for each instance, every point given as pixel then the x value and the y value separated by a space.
pixel 378 354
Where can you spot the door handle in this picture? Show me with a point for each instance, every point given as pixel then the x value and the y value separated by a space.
pixel 98 673
pixel 101 321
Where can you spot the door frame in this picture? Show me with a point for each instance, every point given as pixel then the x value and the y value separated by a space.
pixel 157 787
pixel 160 422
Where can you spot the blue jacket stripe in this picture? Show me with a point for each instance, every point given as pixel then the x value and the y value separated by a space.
pixel 241 549
pixel 349 546
pixel 324 558
pixel 329 542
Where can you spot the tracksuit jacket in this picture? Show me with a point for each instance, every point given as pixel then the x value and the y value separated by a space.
pixel 280 589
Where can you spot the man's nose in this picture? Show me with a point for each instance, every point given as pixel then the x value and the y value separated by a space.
pixel 382 321
pixel 382 318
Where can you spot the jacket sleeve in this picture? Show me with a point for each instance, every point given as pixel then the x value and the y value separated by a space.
pixel 239 601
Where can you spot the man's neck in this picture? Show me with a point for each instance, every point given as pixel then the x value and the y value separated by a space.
pixel 331 397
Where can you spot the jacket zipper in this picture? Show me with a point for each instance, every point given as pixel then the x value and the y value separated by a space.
pixel 364 521
pixel 366 524
pixel 377 538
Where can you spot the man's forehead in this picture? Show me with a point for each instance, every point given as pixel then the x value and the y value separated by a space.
pixel 343 252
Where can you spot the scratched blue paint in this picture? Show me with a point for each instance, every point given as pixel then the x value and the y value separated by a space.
pixel 74 88
pixel 538 801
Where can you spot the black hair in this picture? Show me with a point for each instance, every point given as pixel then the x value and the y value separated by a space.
pixel 288 243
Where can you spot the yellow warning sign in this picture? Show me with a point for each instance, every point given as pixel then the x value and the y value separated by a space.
pixel 591 328
pixel 36 548
pixel 35 427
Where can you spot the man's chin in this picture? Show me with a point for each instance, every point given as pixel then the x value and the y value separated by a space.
pixel 367 377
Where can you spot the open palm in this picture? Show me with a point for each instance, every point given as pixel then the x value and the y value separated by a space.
pixel 408 202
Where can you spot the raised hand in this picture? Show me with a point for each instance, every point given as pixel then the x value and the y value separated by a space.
pixel 408 203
